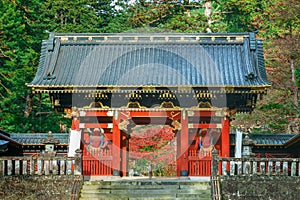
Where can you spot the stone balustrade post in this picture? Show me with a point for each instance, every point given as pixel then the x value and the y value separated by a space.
pixel 78 162
pixel 214 163
pixel 2 167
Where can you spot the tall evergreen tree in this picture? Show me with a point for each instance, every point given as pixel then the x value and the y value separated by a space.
pixel 19 44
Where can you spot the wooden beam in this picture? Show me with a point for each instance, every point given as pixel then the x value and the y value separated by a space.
pixel 96 125
pixel 205 125
pixel 205 113
pixel 99 113
pixel 173 114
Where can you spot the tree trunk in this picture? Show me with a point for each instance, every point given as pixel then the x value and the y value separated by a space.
pixel 207 13
pixel 295 88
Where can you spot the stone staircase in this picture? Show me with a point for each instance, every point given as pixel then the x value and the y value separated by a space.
pixel 145 189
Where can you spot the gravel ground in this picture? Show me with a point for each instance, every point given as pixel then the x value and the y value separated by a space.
pixel 37 187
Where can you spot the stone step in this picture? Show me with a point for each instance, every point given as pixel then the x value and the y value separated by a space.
pixel 101 195
pixel 146 182
pixel 143 196
pixel 146 189
pixel 140 184
pixel 101 187
pixel 137 191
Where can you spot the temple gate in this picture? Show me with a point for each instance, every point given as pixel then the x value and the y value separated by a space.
pixel 111 83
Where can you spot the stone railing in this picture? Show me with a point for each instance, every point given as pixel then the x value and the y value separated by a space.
pixel 255 166
pixel 41 165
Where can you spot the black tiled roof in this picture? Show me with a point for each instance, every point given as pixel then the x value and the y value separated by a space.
pixel 134 60
pixel 35 138
pixel 3 145
pixel 266 139
pixel 294 140
pixel 7 137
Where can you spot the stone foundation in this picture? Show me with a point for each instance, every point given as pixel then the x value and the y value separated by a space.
pixel 260 187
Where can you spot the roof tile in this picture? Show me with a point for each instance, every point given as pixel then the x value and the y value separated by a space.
pixel 159 63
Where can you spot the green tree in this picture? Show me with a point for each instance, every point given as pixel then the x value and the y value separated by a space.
pixel 184 16
pixel 17 58
pixel 70 16
pixel 23 26
pixel 278 22
pixel 244 16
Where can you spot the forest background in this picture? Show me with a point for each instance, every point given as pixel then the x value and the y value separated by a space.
pixel 25 23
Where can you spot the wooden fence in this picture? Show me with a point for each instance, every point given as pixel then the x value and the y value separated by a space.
pixel 199 164
pixel 40 165
pixel 97 162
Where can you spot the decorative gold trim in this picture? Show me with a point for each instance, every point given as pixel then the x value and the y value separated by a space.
pixel 64 38
pixel 133 105
pixel 133 95
pixel 148 89
pixel 176 125
pixel 101 95
pixel 167 95
pixel 206 94
pixel 168 104
pixel 167 37
pixel 72 88
pixel 56 102
pixel 94 104
pixel 239 38
pixel 184 89
pixel 68 113
pixel 204 104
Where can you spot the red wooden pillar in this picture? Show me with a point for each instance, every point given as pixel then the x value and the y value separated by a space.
pixel 124 144
pixel 182 146
pixel 116 145
pixel 225 144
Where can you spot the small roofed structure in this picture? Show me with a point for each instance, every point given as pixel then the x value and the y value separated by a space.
pixel 33 143
pixel 271 145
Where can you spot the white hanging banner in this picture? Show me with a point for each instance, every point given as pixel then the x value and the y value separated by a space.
pixel 74 142
pixel 238 144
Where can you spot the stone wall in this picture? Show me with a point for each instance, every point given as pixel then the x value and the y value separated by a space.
pixel 260 187
pixel 40 187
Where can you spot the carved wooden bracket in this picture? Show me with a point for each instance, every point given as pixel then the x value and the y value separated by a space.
pixel 176 125
pixel 123 125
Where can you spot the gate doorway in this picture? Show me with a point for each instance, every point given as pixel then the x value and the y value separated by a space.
pixel 152 151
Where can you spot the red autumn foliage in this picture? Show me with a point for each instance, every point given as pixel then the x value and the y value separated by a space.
pixel 154 144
